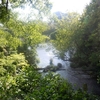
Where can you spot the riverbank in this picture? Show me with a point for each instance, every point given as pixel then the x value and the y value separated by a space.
pixel 79 78
pixel 75 76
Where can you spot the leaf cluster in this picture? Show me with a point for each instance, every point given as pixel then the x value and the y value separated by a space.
pixel 80 36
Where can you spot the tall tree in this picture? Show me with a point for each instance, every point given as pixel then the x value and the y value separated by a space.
pixel 42 7
pixel 88 49
pixel 64 30
pixel 22 37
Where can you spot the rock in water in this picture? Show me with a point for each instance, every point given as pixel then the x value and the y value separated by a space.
pixel 59 65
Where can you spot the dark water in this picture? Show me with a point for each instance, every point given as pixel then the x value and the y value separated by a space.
pixel 75 77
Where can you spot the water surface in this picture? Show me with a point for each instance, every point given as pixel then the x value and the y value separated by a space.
pixel 76 78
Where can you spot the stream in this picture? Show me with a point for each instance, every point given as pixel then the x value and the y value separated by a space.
pixel 76 77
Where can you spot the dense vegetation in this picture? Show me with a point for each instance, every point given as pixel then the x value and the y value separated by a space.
pixel 18 41
pixel 80 36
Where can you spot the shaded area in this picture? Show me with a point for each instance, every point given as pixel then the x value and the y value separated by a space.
pixel 76 77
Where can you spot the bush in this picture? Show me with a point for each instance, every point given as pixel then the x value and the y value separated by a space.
pixel 31 85
pixel 28 84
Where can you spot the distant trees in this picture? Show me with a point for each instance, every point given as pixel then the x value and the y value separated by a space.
pixel 80 35
pixel 64 30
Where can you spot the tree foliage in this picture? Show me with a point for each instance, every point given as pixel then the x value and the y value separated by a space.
pixel 22 37
pixel 42 7
pixel 19 79
pixel 87 47
pixel 64 31
pixel 81 37
pixel 30 85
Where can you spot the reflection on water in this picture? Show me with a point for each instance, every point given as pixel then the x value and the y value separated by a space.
pixel 45 56
pixel 77 78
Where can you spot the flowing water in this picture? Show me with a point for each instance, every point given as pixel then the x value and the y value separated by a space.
pixel 75 77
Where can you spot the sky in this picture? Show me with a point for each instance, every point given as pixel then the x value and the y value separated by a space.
pixel 69 5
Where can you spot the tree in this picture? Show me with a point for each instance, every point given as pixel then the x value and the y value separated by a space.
pixel 64 30
pixel 87 47
pixel 42 7
pixel 80 35
pixel 23 37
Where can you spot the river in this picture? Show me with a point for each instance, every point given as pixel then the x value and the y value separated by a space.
pixel 76 77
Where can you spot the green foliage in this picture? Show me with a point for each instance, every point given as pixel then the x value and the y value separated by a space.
pixel 7 38
pixel 98 77
pixel 87 46
pixel 31 85
pixel 4 11
pixel 12 64
pixel 19 81
pixel 41 7
pixel 28 33
pixel 22 37
pixel 80 36
pixel 65 28
pixel 18 41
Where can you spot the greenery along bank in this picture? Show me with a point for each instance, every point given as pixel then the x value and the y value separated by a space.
pixel 80 36
pixel 18 78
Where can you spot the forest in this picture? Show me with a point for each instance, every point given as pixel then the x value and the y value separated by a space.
pixel 68 32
